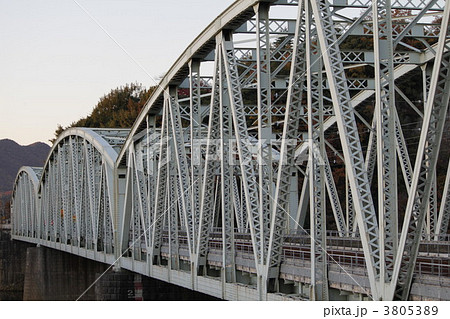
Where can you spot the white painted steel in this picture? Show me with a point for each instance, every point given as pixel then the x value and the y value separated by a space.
pixel 246 136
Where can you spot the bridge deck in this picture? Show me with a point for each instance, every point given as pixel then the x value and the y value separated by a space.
pixel 345 259
pixel 264 123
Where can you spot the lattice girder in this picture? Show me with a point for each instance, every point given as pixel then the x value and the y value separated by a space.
pixel 215 164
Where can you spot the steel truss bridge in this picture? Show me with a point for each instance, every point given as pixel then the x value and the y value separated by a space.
pixel 296 149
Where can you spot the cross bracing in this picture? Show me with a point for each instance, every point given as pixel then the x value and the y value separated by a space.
pixel 73 194
pixel 279 112
pixel 26 201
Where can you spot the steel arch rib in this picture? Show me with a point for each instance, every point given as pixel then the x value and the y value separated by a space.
pixel 25 196
pixel 167 195
pixel 360 184
pixel 80 159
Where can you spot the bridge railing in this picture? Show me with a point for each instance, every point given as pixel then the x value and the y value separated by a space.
pixel 436 269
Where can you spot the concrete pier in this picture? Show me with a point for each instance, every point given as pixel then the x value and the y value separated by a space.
pixel 54 275
pixel 12 266
pixel 35 273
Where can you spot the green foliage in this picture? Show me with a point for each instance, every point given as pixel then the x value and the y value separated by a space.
pixel 117 109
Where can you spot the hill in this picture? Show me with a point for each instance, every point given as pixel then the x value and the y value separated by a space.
pixel 13 156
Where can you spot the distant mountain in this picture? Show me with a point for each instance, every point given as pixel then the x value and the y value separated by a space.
pixel 13 156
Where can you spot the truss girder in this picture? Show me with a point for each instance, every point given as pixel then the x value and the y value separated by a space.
pixel 25 203
pixel 264 157
pixel 333 196
pixel 173 222
pixel 350 141
pixel 195 147
pixel 430 140
pixel 211 164
pixel 293 113
pixel 226 179
pixel 183 172
pixel 319 273
pixel 385 128
pixel 216 153
pixel 70 200
pixel 444 211
pixel 161 185
pixel 248 176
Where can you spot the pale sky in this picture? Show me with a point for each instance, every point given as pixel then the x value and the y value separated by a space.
pixel 56 62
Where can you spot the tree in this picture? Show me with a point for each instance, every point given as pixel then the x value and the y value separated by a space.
pixel 59 130
pixel 117 109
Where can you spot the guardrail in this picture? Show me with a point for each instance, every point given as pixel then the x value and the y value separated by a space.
pixel 441 270
pixel 5 226
pixel 342 251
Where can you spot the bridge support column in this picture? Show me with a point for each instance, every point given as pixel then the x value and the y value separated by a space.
pixel 119 285
pixel 56 275
pixel 12 267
